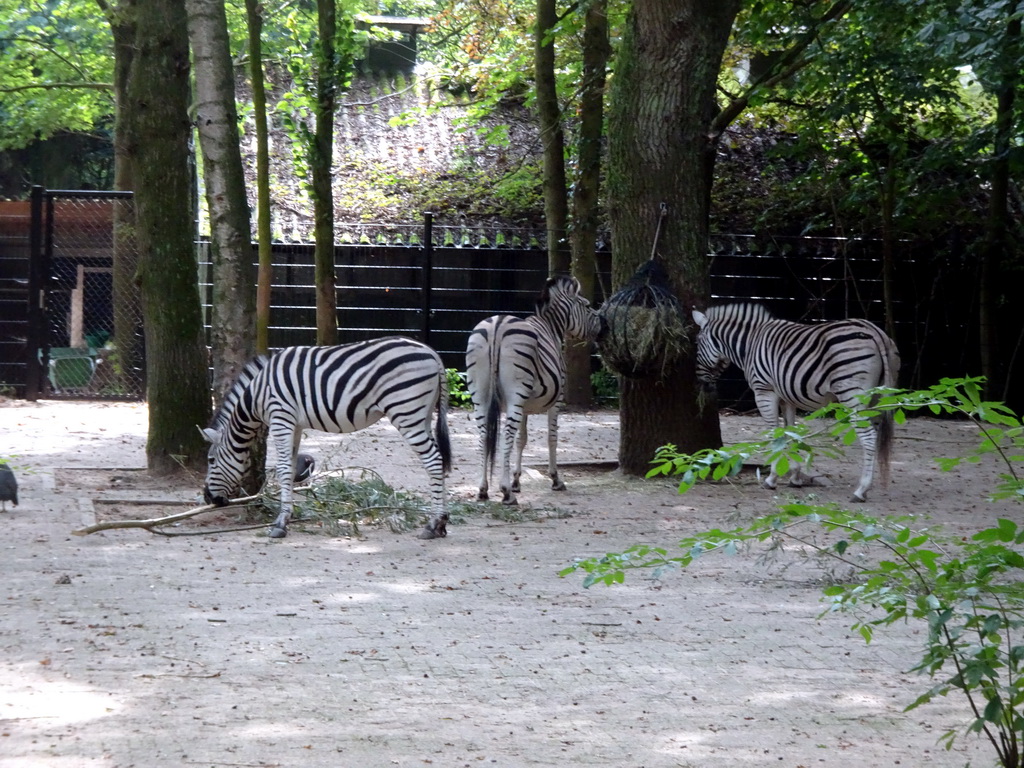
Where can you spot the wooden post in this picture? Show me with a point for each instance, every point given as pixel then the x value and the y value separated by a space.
pixel 76 332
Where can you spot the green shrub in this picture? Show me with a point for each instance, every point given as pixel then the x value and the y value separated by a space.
pixel 967 592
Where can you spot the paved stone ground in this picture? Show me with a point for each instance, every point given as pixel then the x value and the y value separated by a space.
pixel 129 649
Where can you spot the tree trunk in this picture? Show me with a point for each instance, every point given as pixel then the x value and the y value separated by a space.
pixel 321 155
pixel 158 132
pixel 661 151
pixel 556 210
pixel 578 391
pixel 232 318
pixel 997 248
pixel 127 301
pixel 254 16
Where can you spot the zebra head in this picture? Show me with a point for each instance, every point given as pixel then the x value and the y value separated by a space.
pixel 562 304
pixel 712 358
pixel 225 465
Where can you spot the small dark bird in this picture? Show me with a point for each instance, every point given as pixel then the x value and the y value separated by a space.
pixel 8 487
pixel 304 466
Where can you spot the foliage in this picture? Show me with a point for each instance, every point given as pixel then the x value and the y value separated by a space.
pixel 969 592
pixel 55 70
pixel 605 385
pixel 458 395
pixel 887 115
pixel 339 503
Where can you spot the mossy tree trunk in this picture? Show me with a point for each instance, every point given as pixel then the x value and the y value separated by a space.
pixel 998 248
pixel 661 150
pixel 321 155
pixel 586 190
pixel 254 17
pixel 549 113
pixel 128 303
pixel 157 135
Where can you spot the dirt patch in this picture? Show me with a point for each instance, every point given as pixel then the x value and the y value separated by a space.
pixel 129 649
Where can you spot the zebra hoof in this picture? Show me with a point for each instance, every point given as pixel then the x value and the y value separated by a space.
pixel 858 498
pixel 438 532
pixel 557 485
pixel 509 499
pixel 482 496
pixel 277 532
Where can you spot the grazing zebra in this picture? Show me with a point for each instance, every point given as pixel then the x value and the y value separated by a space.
pixel 516 366
pixel 794 365
pixel 333 389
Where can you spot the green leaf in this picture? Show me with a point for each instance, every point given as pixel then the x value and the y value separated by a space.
pixel 994 710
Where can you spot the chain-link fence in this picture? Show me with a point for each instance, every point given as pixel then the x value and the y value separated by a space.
pixel 93 343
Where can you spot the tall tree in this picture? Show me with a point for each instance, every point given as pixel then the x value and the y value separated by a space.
pixel 587 186
pixel 128 321
pixel 549 113
pixel 157 136
pixel 662 151
pixel 321 153
pixel 233 310
pixel 254 18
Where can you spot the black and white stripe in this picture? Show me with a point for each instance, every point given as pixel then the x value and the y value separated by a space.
pixel 516 366
pixel 795 365
pixel 332 389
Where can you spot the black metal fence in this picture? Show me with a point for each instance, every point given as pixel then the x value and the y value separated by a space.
pixel 81 333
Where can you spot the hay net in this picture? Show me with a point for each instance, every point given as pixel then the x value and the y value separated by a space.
pixel 647 325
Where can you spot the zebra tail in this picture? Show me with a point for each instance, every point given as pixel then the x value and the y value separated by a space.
pixel 886 425
pixel 884 449
pixel 491 428
pixel 444 443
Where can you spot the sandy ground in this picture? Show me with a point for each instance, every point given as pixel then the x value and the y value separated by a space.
pixel 125 648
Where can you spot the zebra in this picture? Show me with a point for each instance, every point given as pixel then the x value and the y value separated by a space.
pixel 516 366
pixel 795 365
pixel 333 389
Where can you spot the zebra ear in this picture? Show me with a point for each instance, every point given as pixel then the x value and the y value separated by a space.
pixel 210 435
pixel 700 318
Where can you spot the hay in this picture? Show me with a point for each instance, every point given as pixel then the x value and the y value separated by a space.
pixel 647 327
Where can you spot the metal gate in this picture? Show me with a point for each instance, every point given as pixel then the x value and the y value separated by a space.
pixel 85 321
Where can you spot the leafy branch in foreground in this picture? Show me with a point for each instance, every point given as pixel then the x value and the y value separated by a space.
pixel 969 592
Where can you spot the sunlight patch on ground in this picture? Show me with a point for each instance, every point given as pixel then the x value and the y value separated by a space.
pixel 58 702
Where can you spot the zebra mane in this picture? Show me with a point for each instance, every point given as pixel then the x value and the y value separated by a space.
pixel 240 385
pixel 553 286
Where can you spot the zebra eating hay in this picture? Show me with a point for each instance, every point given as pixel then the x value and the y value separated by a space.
pixel 516 366
pixel 333 389
pixel 794 365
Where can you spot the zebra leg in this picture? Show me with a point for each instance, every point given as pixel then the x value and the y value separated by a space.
pixel 801 475
pixel 868 440
pixel 556 483
pixel 283 436
pixel 768 405
pixel 481 413
pixel 520 445
pixel 514 421
pixel 417 435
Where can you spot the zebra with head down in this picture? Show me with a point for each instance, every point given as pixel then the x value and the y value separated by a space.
pixel 516 366
pixel 794 365
pixel 333 389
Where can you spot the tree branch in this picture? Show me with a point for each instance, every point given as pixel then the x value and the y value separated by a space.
pixel 155 521
pixel 791 62
pixel 57 86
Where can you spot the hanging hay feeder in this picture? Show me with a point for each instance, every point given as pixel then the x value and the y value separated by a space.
pixel 647 330
pixel 646 323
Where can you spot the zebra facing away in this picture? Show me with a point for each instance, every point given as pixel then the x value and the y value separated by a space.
pixel 516 366
pixel 332 389
pixel 794 365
